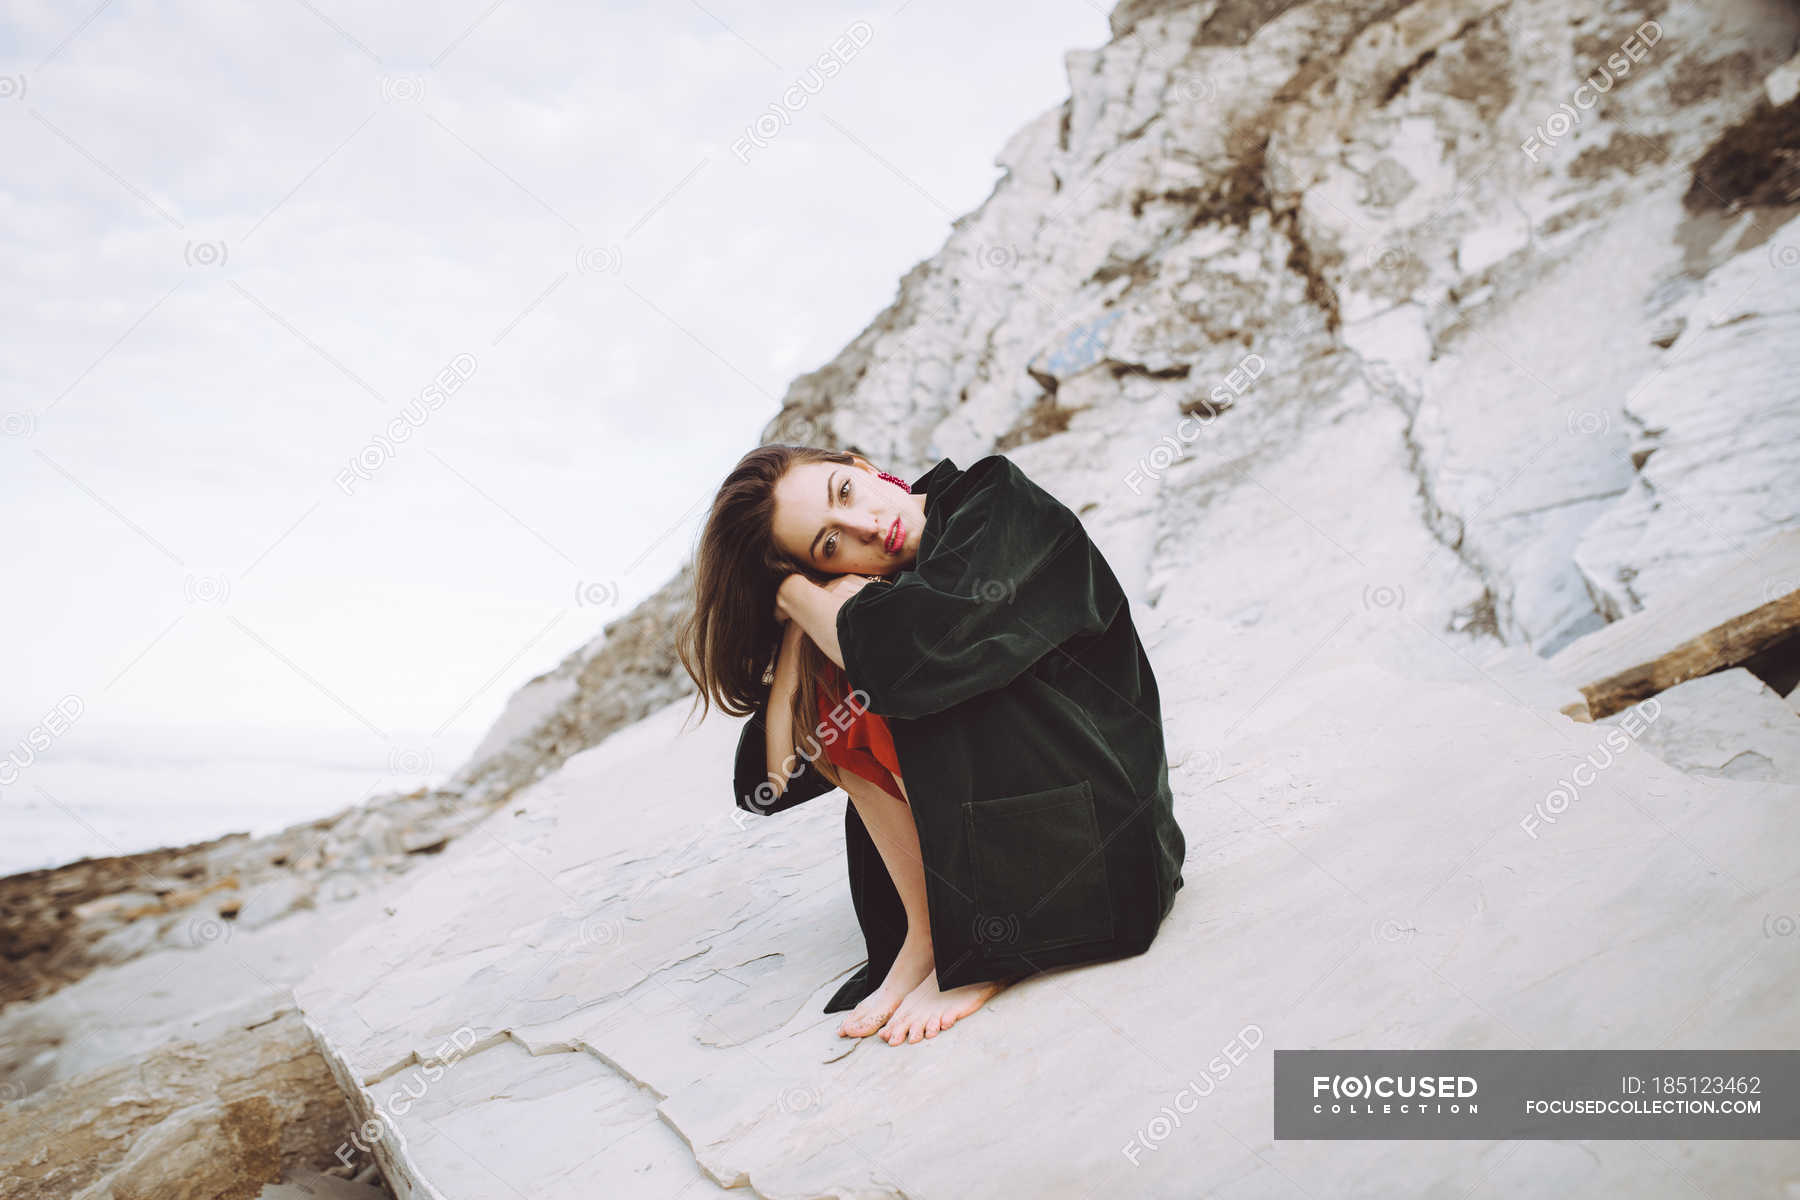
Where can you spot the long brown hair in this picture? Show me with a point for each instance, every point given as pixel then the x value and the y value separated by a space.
pixel 730 637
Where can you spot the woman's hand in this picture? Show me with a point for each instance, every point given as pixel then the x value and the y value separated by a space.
pixel 842 586
pixel 847 585
pixel 803 605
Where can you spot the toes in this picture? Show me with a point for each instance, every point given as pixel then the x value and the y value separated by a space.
pixel 934 1025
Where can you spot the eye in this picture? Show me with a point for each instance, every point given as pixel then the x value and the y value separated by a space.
pixel 830 545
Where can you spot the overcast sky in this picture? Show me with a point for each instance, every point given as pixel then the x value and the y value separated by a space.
pixel 241 240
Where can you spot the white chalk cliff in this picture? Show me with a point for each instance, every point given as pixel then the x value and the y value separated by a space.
pixel 1378 386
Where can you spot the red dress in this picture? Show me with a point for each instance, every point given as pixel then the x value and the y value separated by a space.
pixel 866 747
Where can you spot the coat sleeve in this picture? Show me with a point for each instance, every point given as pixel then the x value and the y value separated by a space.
pixel 750 778
pixel 1010 575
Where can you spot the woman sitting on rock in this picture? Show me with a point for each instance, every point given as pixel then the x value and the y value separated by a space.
pixel 956 654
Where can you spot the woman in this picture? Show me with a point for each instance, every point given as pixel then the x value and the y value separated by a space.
pixel 963 639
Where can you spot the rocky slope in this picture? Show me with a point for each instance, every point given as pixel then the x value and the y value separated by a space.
pixel 1253 224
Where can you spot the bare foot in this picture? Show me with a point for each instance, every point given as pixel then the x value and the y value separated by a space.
pixel 911 965
pixel 926 1011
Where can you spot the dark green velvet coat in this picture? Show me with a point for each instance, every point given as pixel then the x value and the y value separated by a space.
pixel 1029 732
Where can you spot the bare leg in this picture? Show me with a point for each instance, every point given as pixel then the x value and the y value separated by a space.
pixel 908 1006
pixel 928 1010
pixel 890 824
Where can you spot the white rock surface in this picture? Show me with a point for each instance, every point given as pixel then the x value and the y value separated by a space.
pixel 1729 725
pixel 606 982
pixel 1721 428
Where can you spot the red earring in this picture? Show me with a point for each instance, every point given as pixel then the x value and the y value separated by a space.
pixel 896 480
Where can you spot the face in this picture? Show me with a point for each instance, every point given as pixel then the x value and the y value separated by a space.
pixel 843 518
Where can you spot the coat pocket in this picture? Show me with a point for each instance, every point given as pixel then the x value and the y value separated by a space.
pixel 1039 870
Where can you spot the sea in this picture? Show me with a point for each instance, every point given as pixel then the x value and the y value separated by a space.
pixel 95 791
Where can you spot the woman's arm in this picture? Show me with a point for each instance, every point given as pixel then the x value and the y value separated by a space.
pixel 815 608
pixel 778 721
